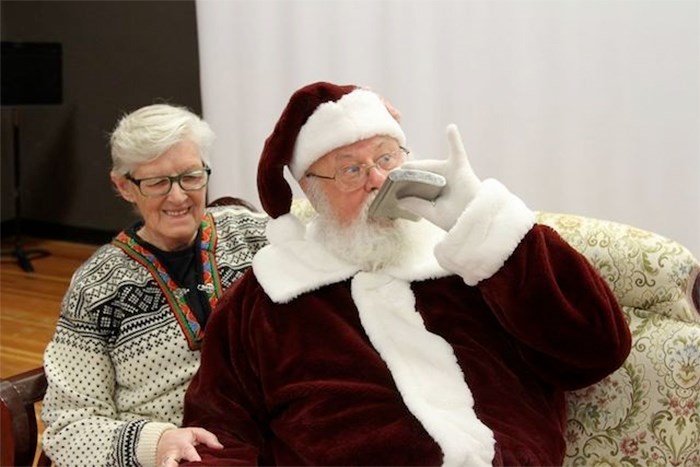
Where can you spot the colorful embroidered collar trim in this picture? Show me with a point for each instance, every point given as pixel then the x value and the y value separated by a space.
pixel 210 280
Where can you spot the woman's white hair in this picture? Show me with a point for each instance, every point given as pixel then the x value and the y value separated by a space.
pixel 148 132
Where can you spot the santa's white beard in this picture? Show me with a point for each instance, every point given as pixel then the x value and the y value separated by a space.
pixel 372 244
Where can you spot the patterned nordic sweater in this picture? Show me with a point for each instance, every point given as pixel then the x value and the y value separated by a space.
pixel 126 344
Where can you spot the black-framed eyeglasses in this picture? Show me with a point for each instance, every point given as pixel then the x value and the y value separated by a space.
pixel 160 186
pixel 350 177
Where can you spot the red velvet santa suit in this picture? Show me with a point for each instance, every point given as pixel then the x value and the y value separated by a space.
pixel 459 355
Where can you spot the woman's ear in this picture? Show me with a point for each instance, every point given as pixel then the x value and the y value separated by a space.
pixel 121 183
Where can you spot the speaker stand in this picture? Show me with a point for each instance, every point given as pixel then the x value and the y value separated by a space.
pixel 24 257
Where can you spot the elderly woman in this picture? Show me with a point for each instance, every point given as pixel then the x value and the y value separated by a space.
pixel 128 339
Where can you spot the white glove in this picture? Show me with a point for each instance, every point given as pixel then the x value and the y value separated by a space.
pixel 462 184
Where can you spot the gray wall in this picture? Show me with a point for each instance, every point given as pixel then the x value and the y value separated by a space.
pixel 117 56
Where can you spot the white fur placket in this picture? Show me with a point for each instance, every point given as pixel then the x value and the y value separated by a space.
pixel 424 369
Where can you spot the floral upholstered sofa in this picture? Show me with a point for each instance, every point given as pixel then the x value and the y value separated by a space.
pixel 648 412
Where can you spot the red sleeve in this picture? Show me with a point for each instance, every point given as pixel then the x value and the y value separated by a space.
pixel 553 301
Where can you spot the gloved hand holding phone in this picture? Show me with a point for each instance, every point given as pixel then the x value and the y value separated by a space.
pixel 461 187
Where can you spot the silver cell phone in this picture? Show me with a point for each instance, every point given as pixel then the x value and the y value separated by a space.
pixel 402 183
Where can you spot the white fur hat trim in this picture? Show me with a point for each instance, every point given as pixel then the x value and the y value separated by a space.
pixel 358 115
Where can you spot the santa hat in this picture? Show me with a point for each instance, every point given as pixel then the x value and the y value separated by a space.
pixel 318 118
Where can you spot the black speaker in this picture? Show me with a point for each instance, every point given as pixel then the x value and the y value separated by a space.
pixel 31 73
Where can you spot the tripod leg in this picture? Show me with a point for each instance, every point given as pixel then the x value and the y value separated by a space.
pixel 23 259
pixel 25 256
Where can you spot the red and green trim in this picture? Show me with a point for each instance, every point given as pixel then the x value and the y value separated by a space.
pixel 178 304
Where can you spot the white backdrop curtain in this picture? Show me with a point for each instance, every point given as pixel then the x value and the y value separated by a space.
pixel 586 107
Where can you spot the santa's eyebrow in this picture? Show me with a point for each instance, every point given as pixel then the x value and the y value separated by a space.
pixel 345 156
pixel 380 144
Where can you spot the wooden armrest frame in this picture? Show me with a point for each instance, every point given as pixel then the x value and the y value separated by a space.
pixel 18 394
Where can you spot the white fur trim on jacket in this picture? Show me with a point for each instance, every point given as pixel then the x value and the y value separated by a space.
pixel 358 115
pixel 290 265
pixel 486 233
pixel 432 388
pixel 294 263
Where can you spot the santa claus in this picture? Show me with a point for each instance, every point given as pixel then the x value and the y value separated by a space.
pixel 363 341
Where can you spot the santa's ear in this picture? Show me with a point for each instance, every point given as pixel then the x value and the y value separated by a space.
pixel 122 186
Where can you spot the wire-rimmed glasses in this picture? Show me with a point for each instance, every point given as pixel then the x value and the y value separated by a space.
pixel 351 176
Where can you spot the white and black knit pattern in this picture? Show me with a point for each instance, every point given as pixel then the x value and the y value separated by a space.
pixel 119 364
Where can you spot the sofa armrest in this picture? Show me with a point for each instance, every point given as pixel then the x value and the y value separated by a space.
pixel 644 270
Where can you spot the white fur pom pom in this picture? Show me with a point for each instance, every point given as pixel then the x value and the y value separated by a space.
pixel 284 229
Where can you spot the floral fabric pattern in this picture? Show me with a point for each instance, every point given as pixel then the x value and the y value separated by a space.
pixel 647 413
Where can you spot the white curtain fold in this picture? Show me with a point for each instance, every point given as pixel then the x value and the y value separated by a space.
pixel 585 107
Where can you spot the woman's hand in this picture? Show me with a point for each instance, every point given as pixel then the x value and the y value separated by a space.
pixel 180 444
